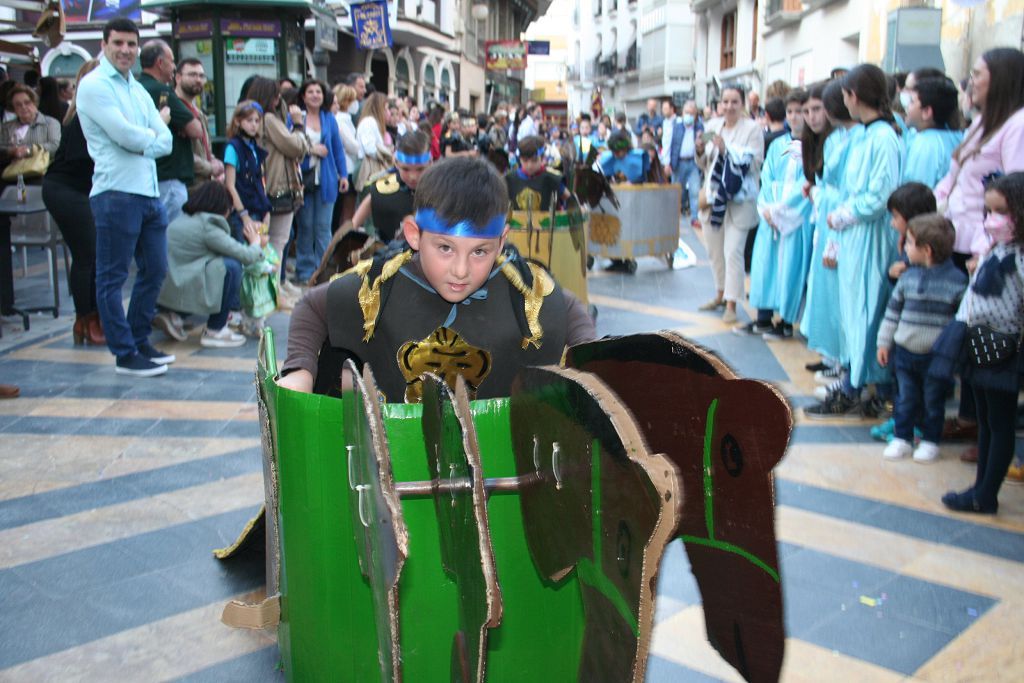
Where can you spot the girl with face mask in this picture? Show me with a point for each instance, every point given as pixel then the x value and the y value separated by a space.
pixel 995 299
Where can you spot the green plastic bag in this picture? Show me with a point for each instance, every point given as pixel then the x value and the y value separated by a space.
pixel 259 287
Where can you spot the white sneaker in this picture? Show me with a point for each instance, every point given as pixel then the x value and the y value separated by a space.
pixel 926 452
pixel 822 392
pixel 224 338
pixel 897 449
pixel 234 319
pixel 827 376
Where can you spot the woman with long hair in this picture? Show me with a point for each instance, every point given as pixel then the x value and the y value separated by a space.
pixel 324 176
pixel 286 145
pixel 371 132
pixel 825 172
pixel 735 153
pixel 867 245
pixel 993 145
pixel 66 188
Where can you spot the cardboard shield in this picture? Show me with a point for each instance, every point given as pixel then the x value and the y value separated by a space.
pixel 457 485
pixel 382 540
pixel 725 435
pixel 602 504
pixel 558 241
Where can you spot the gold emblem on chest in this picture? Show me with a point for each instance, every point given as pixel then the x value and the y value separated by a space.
pixel 446 354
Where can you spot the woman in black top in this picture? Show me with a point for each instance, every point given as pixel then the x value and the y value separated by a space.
pixel 66 188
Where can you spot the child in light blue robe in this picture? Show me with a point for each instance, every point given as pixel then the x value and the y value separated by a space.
pixel 821 322
pixel 934 119
pixel 867 246
pixel 778 267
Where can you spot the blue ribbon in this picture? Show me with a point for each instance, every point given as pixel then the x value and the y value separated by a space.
pixel 429 221
pixel 412 160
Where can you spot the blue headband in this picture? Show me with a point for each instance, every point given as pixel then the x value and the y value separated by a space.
pixel 417 160
pixel 429 221
pixel 257 107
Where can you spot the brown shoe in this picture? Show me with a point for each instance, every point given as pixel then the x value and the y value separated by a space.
pixel 9 391
pixel 970 455
pixel 94 330
pixel 954 429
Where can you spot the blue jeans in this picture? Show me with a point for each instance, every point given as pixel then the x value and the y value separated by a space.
pixel 921 399
pixel 312 234
pixel 128 226
pixel 230 299
pixel 173 195
pixel 687 174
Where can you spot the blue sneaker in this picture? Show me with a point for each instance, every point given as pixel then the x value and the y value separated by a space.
pixel 884 431
pixel 137 365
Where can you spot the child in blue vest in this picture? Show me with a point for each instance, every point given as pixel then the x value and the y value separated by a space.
pixel 243 178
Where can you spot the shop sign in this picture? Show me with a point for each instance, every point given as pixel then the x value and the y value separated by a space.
pixel 196 28
pixel 538 47
pixel 251 28
pixel 250 51
pixel 78 11
pixel 370 25
pixel 505 54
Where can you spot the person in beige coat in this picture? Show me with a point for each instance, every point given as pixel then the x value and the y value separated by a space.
pixel 286 148
pixel 735 132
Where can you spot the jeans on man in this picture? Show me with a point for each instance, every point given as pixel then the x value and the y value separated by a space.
pixel 128 226
pixel 312 234
pixel 687 173
pixel 173 195
pixel 230 299
pixel 921 399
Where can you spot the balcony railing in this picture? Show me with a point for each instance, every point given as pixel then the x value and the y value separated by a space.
pixel 608 67
pixel 782 12
pixel 630 59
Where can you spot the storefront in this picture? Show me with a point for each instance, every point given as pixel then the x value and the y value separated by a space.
pixel 236 41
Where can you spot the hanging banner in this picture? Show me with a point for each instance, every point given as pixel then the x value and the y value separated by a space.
pixel 505 54
pixel 370 25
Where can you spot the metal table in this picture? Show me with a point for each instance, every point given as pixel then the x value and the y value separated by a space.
pixel 8 208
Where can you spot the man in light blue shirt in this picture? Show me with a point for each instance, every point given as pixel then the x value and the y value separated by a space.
pixel 126 134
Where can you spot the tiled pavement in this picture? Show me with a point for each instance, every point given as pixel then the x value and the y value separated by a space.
pixel 113 491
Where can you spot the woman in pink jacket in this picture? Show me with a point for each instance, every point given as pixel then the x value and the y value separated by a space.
pixel 994 144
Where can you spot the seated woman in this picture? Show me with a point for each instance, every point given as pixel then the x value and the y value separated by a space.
pixel 204 263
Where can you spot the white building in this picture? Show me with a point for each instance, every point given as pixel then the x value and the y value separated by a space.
pixel 630 50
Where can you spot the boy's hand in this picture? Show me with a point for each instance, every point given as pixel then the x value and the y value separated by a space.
pixel 883 357
pixel 897 269
pixel 829 262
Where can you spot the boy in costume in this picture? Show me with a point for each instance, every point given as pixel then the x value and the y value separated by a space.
pixel 621 162
pixel 454 300
pixel 531 186
pixel 390 198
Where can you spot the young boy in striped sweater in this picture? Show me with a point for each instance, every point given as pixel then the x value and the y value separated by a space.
pixel 925 299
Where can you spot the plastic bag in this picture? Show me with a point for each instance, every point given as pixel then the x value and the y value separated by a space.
pixel 260 285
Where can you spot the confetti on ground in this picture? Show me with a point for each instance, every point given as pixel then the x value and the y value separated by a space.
pixel 870 602
pixel 971 611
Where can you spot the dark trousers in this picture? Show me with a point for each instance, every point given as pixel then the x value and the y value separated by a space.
pixel 128 226
pixel 73 214
pixel 230 298
pixel 921 399
pixel 997 412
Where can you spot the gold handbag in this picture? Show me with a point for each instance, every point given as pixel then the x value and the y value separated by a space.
pixel 32 166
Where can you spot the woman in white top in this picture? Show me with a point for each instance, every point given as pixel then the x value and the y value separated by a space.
pixel 348 106
pixel 373 122
pixel 741 137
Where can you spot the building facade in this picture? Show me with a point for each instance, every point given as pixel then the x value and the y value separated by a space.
pixel 628 51
pixel 755 42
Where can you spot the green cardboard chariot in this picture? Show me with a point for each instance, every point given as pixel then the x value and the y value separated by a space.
pixel 519 538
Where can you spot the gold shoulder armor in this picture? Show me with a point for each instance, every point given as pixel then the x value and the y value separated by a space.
pixel 388 184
